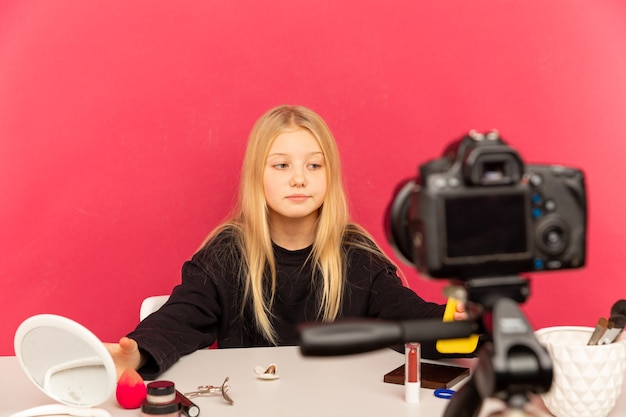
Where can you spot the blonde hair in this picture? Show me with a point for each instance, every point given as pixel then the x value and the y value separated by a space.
pixel 250 220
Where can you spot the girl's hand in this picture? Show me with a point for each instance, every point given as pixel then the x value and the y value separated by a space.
pixel 125 354
pixel 460 313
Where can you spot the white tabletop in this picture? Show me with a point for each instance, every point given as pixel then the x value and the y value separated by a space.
pixel 308 386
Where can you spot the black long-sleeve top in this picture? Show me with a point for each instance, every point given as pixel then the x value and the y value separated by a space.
pixel 206 306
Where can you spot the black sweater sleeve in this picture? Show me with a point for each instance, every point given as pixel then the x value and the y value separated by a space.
pixel 186 323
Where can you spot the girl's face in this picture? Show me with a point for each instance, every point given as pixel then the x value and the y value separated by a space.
pixel 294 178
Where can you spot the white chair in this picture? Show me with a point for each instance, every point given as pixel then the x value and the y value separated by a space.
pixel 151 304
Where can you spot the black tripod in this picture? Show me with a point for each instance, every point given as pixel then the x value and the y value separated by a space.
pixel 511 362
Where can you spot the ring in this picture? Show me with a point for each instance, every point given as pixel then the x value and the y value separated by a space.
pixel 444 393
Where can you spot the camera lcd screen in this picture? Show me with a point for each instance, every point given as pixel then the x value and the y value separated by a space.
pixel 486 225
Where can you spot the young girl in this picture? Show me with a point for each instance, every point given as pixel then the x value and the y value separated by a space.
pixel 289 254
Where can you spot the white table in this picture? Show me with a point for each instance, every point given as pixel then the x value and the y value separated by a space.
pixel 308 386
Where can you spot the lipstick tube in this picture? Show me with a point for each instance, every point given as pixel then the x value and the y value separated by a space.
pixel 412 354
pixel 187 406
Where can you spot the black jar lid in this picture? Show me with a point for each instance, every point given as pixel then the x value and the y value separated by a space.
pixel 161 388
pixel 160 409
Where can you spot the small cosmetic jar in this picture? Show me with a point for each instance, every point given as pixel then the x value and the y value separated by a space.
pixel 161 400
pixel 171 409
pixel 161 392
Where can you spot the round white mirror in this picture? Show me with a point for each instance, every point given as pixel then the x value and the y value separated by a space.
pixel 67 362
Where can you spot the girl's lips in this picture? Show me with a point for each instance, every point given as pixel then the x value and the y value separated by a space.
pixel 297 197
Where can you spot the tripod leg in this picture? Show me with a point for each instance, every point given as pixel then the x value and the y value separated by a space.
pixel 466 402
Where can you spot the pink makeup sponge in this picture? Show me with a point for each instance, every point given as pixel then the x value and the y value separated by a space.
pixel 131 390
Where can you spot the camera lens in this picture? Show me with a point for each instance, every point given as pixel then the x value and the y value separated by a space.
pixel 397 223
pixel 552 236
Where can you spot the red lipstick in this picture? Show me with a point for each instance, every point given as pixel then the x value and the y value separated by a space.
pixel 412 372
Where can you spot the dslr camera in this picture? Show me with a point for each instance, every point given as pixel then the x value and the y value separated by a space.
pixel 479 211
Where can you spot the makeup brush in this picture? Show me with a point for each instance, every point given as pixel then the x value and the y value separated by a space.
pixel 619 308
pixel 618 317
pixel 601 327
pixel 607 331
pixel 616 326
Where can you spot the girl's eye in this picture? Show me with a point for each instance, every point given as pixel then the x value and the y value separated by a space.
pixel 280 166
pixel 315 166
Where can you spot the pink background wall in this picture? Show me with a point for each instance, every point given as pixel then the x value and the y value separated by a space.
pixel 122 128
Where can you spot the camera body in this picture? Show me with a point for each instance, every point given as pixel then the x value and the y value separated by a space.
pixel 479 211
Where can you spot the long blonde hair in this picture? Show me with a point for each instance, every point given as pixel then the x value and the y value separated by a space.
pixel 250 219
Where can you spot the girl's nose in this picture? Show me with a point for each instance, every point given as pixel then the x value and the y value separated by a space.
pixel 298 179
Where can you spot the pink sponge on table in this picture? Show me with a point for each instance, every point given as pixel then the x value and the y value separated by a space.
pixel 131 390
